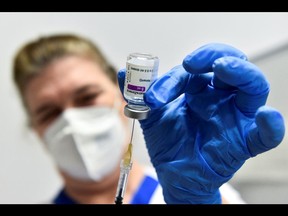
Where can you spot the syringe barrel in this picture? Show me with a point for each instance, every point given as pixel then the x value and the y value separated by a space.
pixel 122 183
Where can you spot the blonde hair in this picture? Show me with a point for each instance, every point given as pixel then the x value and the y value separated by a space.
pixel 30 60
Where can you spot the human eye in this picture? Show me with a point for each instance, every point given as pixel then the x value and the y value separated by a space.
pixel 46 116
pixel 88 97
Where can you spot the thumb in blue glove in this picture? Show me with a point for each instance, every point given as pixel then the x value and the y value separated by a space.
pixel 208 116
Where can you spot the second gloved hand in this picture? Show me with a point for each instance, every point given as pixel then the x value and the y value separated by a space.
pixel 207 118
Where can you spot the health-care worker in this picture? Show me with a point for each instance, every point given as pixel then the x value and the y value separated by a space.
pixel 73 103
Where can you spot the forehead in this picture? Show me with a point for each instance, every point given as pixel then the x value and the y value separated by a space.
pixel 71 67
pixel 64 75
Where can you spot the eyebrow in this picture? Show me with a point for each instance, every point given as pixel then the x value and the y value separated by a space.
pixel 85 88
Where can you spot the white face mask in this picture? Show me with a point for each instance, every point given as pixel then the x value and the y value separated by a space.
pixel 87 143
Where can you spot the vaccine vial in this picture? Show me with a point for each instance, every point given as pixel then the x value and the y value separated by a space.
pixel 141 71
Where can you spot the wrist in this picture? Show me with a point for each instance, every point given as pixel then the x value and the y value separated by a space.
pixel 193 182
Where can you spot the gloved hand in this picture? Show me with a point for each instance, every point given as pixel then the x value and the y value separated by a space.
pixel 207 118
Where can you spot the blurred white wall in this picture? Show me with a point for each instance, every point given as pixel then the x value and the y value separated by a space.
pixel 264 179
pixel 27 174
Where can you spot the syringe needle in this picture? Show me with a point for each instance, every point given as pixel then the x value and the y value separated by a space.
pixel 132 131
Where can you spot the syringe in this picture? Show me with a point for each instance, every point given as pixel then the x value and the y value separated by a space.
pixel 125 167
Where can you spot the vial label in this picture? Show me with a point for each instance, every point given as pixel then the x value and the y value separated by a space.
pixel 138 79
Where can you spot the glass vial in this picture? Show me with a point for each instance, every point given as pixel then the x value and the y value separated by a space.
pixel 141 71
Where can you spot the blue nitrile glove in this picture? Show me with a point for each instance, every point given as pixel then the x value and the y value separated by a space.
pixel 204 125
